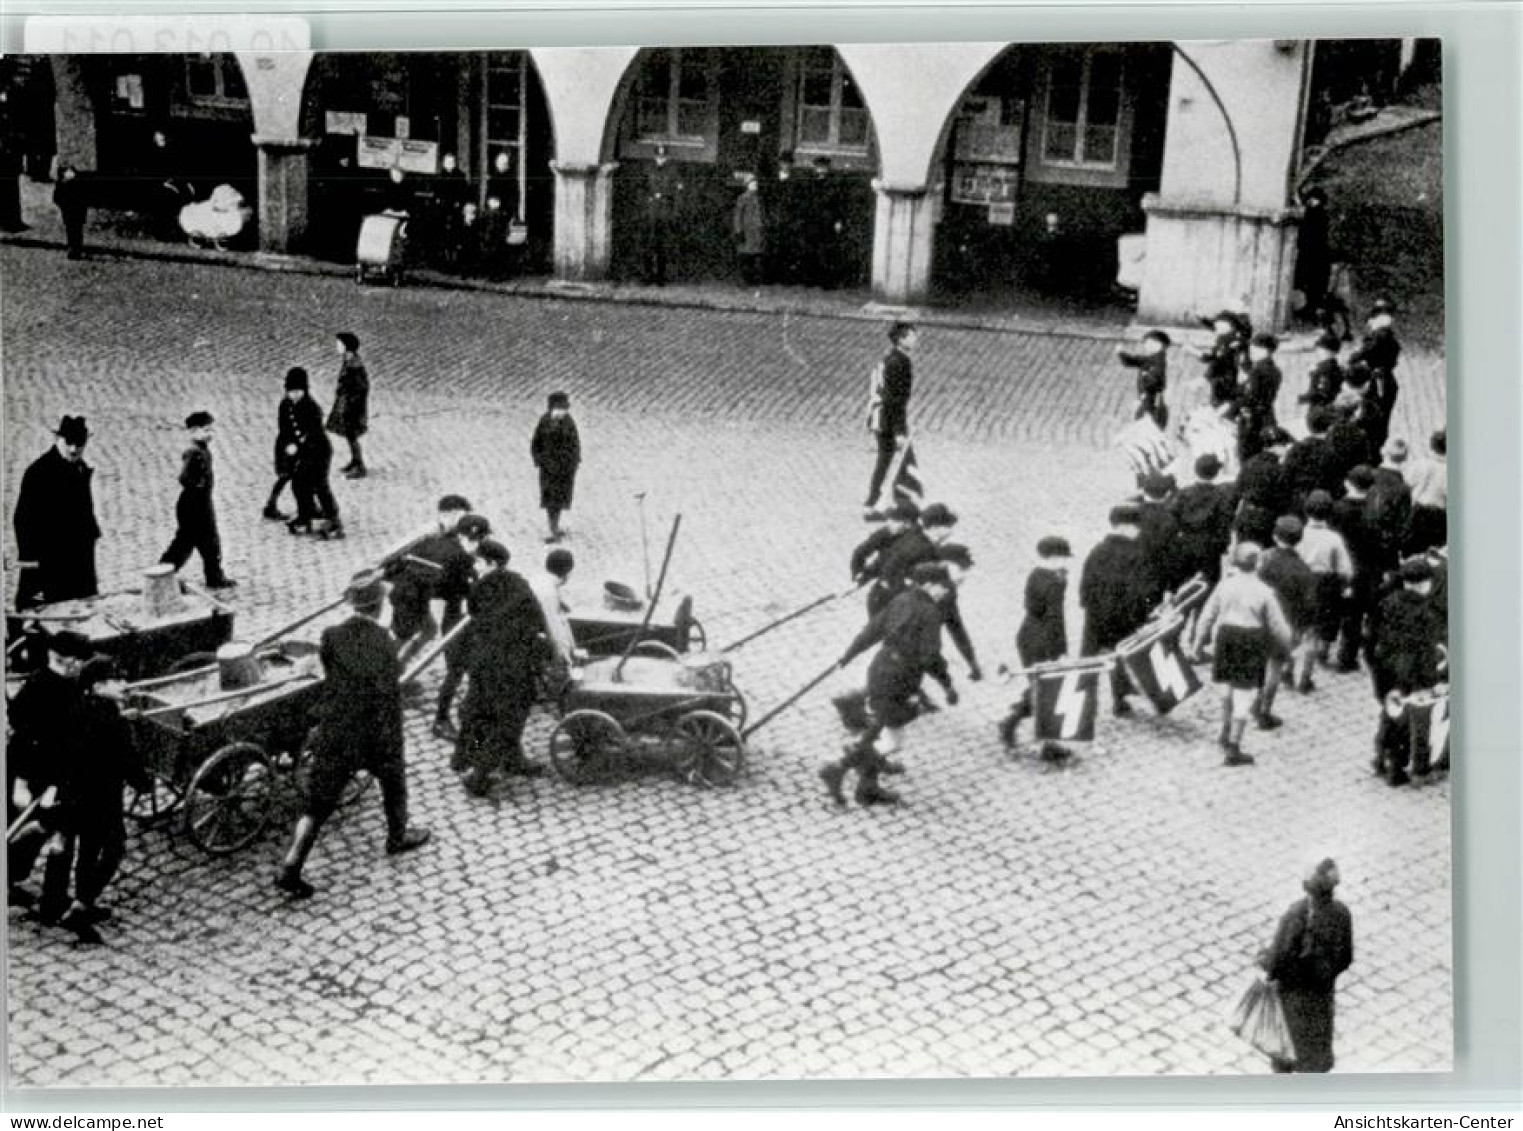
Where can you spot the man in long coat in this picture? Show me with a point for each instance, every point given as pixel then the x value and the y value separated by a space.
pixel 55 522
pixel 1114 590
pixel 746 226
pixel 360 729
pixel 350 416
pixel 556 449
pixel 505 648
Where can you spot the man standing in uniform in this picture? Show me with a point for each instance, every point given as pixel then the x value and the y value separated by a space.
pixel 1152 366
pixel 55 522
pixel 1261 386
pixel 663 187
pixel 1325 379
pixel 889 412
pixel 195 512
pixel 909 631
pixel 360 729
pixel 1222 360
pixel 1114 590
pixel 504 650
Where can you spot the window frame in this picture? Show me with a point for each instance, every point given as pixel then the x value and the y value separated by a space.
pixel 1081 123
pixel 1111 174
pixel 220 100
pixel 688 147
pixel 839 76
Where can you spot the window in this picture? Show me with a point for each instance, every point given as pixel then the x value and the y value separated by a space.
pixel 1083 118
pixel 674 101
pixel 214 80
pixel 505 121
pixel 831 115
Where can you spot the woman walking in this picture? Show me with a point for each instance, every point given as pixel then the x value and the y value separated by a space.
pixel 350 417
pixel 1312 946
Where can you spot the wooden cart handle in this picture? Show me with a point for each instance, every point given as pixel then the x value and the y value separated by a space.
pixel 211 700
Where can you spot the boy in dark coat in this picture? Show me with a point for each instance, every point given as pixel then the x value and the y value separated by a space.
pixel 888 416
pixel 1405 635
pixel 1349 518
pixel 1204 513
pixel 557 452
pixel 1256 403
pixel 1115 590
pixel 360 729
pixel 350 417
pixel 1157 535
pixel 505 647
pixel 304 442
pixel 1311 464
pixel 431 568
pixel 909 630
pixel 1325 379
pixel 1152 376
pixel 867 558
pixel 1388 508
pixel 1222 359
pixel 1313 944
pixel 1283 570
pixel 69 198
pixel 55 522
pixel 470 533
pixel 1042 636
pixel 1346 435
pixel 1263 489
pixel 1379 352
pixel 917 544
pixel 195 512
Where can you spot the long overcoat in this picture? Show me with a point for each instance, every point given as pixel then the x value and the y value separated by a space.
pixel 56 528
pixel 557 452
pixel 350 415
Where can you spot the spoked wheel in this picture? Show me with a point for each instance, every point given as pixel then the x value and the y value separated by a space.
pixel 586 746
pixel 230 799
pixel 358 783
pixel 157 803
pixel 737 711
pixel 656 648
pixel 707 749
pixel 697 639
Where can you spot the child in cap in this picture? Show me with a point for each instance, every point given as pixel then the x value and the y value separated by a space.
pixel 195 513
pixel 1152 376
pixel 1042 636
pixel 1326 554
pixel 557 452
pixel 350 416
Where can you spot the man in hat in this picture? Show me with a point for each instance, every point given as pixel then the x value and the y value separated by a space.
pixel 917 544
pixel 360 729
pixel 303 441
pixel 1429 480
pixel 1203 511
pixel 471 532
pixel 1151 365
pixel 1295 587
pixel 55 522
pixel 195 512
pixel 1313 944
pixel 1261 386
pixel 47 741
pixel 1043 635
pixel 1311 464
pixel 1350 518
pixel 1326 377
pixel 663 193
pixel 909 632
pixel 557 453
pixel 1244 625
pixel 1379 352
pixel 888 414
pixel 350 417
pixel 1326 554
pixel 1115 590
pixel 1263 489
pixel 504 651
pixel 867 558
pixel 1405 639
pixel 1222 358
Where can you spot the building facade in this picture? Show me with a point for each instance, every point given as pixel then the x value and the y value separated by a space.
pixel 923 170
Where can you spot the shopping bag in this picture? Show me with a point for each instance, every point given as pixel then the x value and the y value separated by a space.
pixel 1260 1020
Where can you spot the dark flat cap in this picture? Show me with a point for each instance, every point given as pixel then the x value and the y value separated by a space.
pixel 1265 340
pixel 454 503
pixel 1158 485
pixel 1053 546
pixel 1417 569
pixel 493 552
pixel 1288 528
pixel 366 590
pixel 296 378
pixel 938 514
pixel 560 562
pixel 1208 466
pixel 1362 476
pixel 559 400
pixel 199 420
pixel 473 526
pixel 348 340
pixel 1158 336
pixel 1125 514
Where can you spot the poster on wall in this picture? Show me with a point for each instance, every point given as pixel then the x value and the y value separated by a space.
pixel 985 184
pixel 378 152
pixel 345 122
pixel 418 156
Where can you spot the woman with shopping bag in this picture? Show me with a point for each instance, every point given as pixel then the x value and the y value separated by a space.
pixel 1313 944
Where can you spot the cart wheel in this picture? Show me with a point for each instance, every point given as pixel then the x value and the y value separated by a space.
pixel 353 791
pixel 707 749
pixel 153 805
pixel 656 648
pixel 229 799
pixel 191 662
pixel 585 747
pixel 737 710
pixel 697 639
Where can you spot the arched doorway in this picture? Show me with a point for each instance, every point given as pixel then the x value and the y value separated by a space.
pixel 200 104
pixel 1044 164
pixel 372 111
pixel 722 115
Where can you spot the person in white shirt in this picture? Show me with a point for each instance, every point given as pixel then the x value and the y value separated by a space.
pixel 1429 480
pixel 547 588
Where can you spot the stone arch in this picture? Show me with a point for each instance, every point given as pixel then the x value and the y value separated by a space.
pixel 580 85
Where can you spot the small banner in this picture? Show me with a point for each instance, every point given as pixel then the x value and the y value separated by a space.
pixel 1155 660
pixel 1427 717
pixel 1066 703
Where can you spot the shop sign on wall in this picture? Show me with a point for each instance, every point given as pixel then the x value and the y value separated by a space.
pixel 985 184
pixel 344 122
pixel 409 155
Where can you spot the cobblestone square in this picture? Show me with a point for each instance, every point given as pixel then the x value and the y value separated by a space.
pixel 1008 920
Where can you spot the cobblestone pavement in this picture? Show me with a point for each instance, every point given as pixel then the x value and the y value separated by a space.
pixel 1007 920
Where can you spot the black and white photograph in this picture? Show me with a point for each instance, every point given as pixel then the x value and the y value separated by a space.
pixel 837 561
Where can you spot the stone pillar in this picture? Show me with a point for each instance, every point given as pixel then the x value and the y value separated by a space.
pixel 1200 256
pixel 73 112
pixel 583 220
pixel 903 234
pixel 283 197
